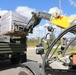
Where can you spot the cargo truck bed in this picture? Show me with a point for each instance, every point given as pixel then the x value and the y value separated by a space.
pixel 12 47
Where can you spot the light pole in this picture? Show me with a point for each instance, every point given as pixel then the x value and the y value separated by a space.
pixel 39 36
pixel 60 7
pixel 45 30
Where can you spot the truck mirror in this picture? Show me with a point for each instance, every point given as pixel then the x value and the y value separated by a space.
pixel 39 45
pixel 40 50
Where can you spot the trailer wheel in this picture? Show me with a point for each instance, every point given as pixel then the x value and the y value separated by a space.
pixel 15 59
pixel 25 71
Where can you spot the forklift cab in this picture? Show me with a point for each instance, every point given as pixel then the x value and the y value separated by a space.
pixel 63 63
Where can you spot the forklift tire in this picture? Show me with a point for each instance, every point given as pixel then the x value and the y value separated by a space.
pixel 15 59
pixel 25 71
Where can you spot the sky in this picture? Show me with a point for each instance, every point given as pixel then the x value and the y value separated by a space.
pixel 25 7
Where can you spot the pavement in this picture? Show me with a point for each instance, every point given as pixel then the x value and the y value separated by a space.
pixel 6 68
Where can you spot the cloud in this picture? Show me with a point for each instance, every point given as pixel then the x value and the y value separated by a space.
pixel 2 12
pixel 73 15
pixel 46 24
pixel 39 31
pixel 72 2
pixel 54 9
pixel 25 11
pixel 43 26
pixel 35 34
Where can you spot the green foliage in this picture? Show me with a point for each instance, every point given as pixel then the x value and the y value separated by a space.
pixel 32 42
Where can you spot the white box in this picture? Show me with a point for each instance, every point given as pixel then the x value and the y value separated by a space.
pixel 12 22
pixel 4 38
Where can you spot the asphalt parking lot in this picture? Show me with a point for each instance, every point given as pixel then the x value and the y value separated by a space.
pixel 6 68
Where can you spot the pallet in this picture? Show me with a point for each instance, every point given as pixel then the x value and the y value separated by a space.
pixel 16 33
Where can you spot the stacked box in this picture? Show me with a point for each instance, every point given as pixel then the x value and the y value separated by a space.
pixel 4 38
pixel 12 22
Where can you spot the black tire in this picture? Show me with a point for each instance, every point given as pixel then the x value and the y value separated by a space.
pixel 25 71
pixel 15 59
pixel 23 58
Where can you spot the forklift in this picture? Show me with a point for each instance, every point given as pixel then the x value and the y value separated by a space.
pixel 59 64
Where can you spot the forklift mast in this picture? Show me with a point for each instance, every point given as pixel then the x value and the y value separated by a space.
pixel 58 20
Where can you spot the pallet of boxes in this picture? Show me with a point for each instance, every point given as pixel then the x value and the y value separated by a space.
pixel 13 38
pixel 13 24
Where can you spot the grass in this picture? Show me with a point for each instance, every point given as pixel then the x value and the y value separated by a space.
pixel 53 51
pixel 33 43
pixel 69 50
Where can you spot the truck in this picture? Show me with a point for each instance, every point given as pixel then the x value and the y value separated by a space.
pixel 15 50
pixel 12 39
pixel 50 63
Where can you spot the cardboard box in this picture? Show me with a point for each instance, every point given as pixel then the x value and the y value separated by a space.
pixel 12 22
pixel 4 38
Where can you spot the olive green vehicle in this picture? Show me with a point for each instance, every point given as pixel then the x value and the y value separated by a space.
pixel 15 50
